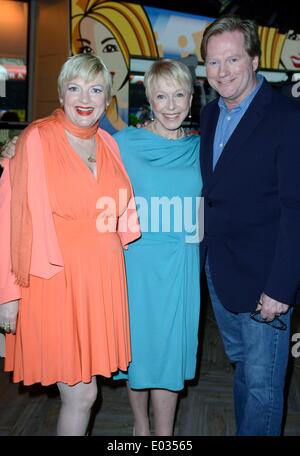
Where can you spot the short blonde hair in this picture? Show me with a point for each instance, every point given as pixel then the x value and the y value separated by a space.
pixel 170 70
pixel 87 67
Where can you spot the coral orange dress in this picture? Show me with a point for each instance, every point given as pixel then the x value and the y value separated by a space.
pixel 75 324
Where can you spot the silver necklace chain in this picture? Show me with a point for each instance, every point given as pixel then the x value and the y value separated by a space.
pixel 154 130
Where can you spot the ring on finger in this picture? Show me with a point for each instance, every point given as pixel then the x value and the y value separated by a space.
pixel 5 326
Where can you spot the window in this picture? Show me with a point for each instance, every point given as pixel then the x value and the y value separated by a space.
pixel 13 66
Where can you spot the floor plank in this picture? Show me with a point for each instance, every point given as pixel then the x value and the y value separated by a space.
pixel 205 407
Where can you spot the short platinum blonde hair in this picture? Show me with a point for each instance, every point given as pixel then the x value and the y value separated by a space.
pixel 233 23
pixel 169 70
pixel 86 67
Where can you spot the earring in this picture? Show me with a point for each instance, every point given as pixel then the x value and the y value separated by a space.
pixel 190 114
pixel 151 115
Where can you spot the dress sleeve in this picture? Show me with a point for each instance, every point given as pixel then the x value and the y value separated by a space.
pixel 9 291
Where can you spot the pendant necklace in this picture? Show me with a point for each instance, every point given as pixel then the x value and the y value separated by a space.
pixel 92 158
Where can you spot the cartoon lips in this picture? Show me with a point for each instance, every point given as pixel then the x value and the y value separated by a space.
pixel 295 60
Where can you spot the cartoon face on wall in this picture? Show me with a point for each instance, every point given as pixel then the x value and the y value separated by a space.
pixel 279 50
pixel 114 31
pixel 98 39
pixel 290 55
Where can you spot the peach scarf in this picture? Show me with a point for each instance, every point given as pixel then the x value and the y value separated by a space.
pixel 21 226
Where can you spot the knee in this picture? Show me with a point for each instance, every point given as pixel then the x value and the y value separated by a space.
pixel 80 397
pixel 88 398
pixel 258 381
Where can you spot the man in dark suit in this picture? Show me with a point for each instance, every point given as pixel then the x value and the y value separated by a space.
pixel 250 158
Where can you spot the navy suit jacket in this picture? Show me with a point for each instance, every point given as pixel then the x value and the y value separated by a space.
pixel 252 203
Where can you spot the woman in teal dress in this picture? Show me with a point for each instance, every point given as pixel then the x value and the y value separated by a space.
pixel 163 266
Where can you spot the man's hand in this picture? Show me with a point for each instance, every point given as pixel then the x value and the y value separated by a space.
pixel 8 316
pixel 270 308
pixel 144 124
pixel 9 150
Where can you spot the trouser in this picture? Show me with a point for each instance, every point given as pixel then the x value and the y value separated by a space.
pixel 260 355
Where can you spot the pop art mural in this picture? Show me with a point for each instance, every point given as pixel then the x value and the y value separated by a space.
pixel 279 50
pixel 118 30
pixel 114 31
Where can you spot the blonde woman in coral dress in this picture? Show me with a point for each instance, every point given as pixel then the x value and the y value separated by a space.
pixel 64 307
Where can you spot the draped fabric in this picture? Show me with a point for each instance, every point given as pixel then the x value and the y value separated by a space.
pixel 73 324
pixel 163 266
pixel 21 228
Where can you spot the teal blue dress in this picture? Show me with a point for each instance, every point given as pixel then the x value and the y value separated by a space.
pixel 162 267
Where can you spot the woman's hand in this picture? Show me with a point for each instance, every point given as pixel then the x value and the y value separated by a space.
pixel 9 149
pixel 8 316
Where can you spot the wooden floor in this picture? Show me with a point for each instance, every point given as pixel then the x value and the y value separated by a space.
pixel 205 407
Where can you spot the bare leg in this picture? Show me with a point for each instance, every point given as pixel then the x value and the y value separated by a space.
pixel 139 403
pixel 76 404
pixel 164 407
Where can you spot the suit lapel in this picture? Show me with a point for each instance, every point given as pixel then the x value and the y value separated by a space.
pixel 207 145
pixel 245 128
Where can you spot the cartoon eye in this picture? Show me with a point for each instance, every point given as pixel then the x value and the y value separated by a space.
pixel 110 48
pixel 85 50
